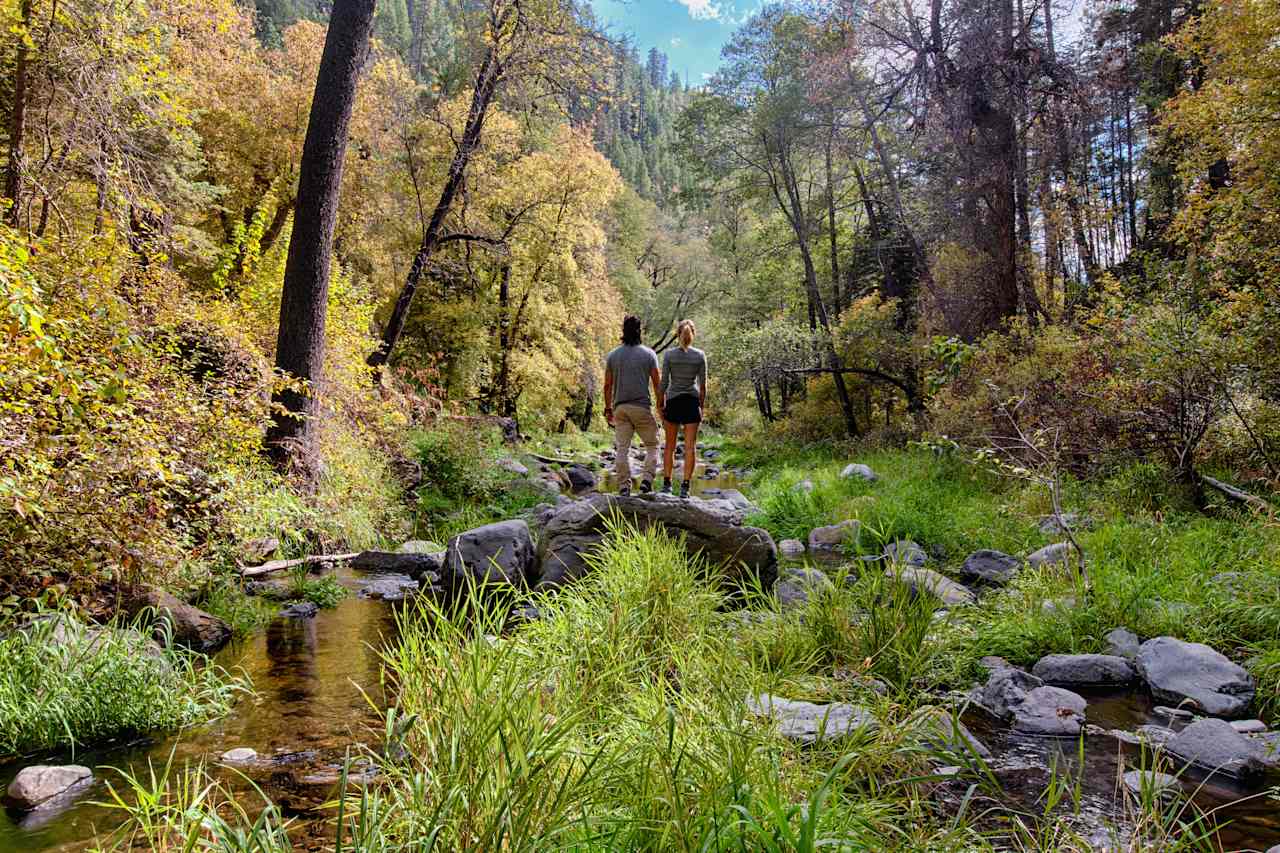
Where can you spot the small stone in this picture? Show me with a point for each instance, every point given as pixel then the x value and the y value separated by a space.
pixel 1155 735
pixel 989 567
pixel 1173 713
pixel 905 552
pixel 832 537
pixel 1159 784
pixel 1056 554
pixel 790 548
pixel 37 785
pixel 946 590
pixel 807 722
pixel 581 478
pixel 1249 727
pixel 857 469
pixel 513 466
pixel 240 755
pixel 1128 738
pixel 1052 525
pixel 1123 643
pixel 795 587
pixel 805 486
pixel 1051 606
pixel 300 610
pixel 1050 711
pixel 388 587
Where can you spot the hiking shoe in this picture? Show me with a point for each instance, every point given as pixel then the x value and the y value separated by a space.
pixel 625 491
pixel 646 486
pixel 666 486
pixel 684 489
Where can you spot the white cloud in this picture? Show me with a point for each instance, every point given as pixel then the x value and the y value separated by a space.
pixel 701 10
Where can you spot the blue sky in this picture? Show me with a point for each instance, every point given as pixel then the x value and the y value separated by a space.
pixel 690 32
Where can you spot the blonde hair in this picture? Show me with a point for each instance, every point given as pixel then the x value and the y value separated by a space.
pixel 685 331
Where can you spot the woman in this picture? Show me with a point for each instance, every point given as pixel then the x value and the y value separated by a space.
pixel 684 386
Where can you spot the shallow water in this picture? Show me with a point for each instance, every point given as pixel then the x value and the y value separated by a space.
pixel 314 678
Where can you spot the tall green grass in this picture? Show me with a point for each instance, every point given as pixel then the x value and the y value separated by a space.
pixel 64 684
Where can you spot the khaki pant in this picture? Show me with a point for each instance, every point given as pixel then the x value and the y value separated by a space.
pixel 629 419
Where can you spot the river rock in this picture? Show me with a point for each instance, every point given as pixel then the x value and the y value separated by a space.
pixel 189 626
pixel 1123 643
pixel 388 587
pixel 790 548
pixel 413 564
pixel 1249 727
pixel 420 546
pixel 989 567
pixel 240 755
pixel 581 478
pixel 1159 784
pixel 733 496
pixel 501 553
pixel 857 469
pixel 36 786
pixel 832 537
pixel 300 610
pixel 1154 735
pixel 1034 708
pixel 946 590
pixel 513 466
pixel 1006 687
pixel 1178 672
pixel 797 584
pixel 805 486
pixel 1212 745
pixel 1057 554
pixel 937 728
pixel 1084 670
pixel 713 529
pixel 259 550
pixel 1052 525
pixel 807 722
pixel 904 552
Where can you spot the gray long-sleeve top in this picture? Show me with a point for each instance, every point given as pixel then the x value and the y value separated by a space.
pixel 684 371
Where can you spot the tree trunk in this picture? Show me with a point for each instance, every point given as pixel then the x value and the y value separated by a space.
pixel 487 80
pixel 18 121
pixel 836 298
pixel 305 295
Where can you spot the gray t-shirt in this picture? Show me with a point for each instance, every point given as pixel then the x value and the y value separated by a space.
pixel 684 371
pixel 631 367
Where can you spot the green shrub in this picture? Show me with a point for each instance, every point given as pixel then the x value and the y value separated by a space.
pixel 65 684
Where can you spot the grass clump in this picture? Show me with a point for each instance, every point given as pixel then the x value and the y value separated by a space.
pixel 66 684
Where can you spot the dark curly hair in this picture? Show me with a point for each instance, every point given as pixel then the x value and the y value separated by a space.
pixel 631 330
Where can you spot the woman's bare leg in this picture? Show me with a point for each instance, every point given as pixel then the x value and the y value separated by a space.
pixel 690 449
pixel 669 452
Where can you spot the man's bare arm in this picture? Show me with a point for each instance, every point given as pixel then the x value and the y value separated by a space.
pixel 608 395
pixel 656 379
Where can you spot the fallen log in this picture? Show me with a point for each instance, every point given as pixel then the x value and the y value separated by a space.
pixel 551 460
pixel 280 565
pixel 1237 495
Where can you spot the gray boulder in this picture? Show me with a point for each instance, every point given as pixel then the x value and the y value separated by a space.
pixel 300 610
pixel 1178 672
pixel 797 584
pixel 1212 745
pixel 805 486
pixel 1052 525
pixel 904 552
pixel 921 580
pixel 989 567
pixel 1249 727
pixel 1084 670
pixel 1123 643
pixel 712 529
pixel 790 548
pixel 1057 554
pixel 807 722
pixel 412 563
pixel 501 553
pixel 388 587
pixel 512 466
pixel 419 546
pixel 189 625
pixel 832 537
pixel 1033 708
pixel 581 478
pixel 37 786
pixel 857 469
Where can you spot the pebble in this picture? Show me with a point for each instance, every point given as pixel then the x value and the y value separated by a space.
pixel 240 755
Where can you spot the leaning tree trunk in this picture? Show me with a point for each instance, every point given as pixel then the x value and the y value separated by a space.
pixel 17 121
pixel 305 297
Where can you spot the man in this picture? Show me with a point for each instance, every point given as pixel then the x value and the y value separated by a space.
pixel 630 371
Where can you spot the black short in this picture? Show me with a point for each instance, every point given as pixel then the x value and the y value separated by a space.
pixel 683 410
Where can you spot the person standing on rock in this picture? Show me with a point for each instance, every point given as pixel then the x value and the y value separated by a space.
pixel 684 385
pixel 630 371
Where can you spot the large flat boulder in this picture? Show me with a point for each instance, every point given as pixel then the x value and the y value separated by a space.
pixel 713 529
pixel 1178 672
pixel 808 722
pixel 1212 745
pixel 35 787
pixel 989 567
pixel 412 563
pixel 188 625
pixel 1084 670
pixel 500 554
